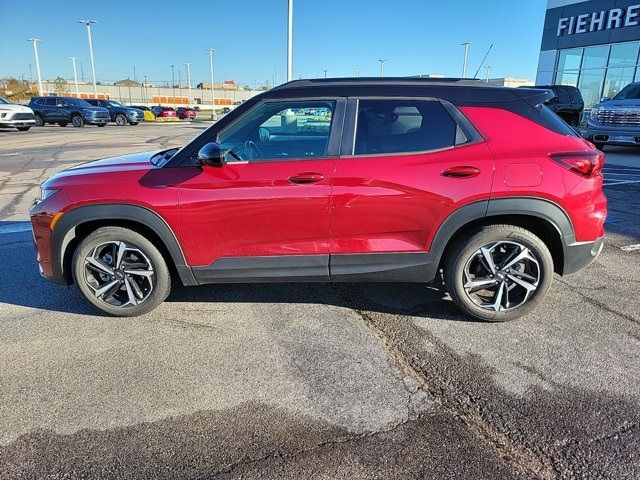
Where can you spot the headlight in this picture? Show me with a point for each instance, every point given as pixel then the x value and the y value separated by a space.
pixel 45 193
pixel 595 110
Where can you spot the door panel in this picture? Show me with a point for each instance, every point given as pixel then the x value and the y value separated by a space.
pixel 253 209
pixel 395 203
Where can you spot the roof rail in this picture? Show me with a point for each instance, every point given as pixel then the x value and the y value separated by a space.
pixel 325 82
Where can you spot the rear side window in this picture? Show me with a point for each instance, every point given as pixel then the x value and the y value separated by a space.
pixel 50 102
pixel 398 126
pixel 553 122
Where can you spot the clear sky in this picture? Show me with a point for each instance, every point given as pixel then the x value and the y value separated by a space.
pixel 416 36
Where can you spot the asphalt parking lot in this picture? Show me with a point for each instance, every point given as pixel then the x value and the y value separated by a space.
pixel 311 380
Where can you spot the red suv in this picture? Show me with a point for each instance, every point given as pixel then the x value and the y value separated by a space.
pixel 389 180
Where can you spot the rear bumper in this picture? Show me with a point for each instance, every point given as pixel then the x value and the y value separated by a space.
pixel 580 255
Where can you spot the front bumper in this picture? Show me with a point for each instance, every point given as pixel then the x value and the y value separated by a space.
pixel 612 135
pixel 16 123
pixel 580 255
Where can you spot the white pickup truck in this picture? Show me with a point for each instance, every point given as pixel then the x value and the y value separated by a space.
pixel 17 116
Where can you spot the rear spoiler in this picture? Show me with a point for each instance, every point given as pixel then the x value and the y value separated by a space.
pixel 533 96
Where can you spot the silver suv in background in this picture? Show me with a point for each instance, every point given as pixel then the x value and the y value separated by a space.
pixel 616 121
pixel 17 116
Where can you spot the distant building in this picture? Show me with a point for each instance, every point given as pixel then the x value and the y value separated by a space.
pixel 512 82
pixel 127 83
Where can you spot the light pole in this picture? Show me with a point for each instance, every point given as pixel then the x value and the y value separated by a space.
pixel 325 72
pixel 189 79
pixel 488 67
pixel 173 85
pixel 382 60
pixel 93 65
pixel 466 54
pixel 75 75
pixel 144 91
pixel 35 52
pixel 134 73
pixel 290 42
pixel 213 91
pixel 357 72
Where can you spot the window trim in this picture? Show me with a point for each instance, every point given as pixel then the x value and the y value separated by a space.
pixel 351 127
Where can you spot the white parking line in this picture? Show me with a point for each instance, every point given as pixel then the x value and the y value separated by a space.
pixel 631 248
pixel 608 184
pixel 15 228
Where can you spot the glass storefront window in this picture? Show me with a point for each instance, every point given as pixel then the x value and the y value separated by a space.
pixel 590 85
pixel 570 59
pixel 567 78
pixel 595 57
pixel 624 55
pixel 617 79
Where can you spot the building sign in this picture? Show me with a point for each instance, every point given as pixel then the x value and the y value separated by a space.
pixel 598 21
pixel 594 22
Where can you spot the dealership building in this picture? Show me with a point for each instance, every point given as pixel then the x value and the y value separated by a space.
pixel 593 45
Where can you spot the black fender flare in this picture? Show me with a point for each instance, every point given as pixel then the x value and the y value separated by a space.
pixel 65 232
pixel 531 206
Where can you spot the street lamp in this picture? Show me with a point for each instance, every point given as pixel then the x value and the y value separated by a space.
pixel 382 60
pixel 93 65
pixel 213 92
pixel 35 52
pixel 75 75
pixel 173 85
pixel 188 64
pixel 488 67
pixel 290 42
pixel 325 72
pixel 357 72
pixel 466 53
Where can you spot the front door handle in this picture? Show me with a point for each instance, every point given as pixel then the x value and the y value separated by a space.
pixel 461 171
pixel 306 178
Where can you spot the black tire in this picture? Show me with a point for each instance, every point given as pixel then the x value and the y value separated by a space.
pixel 77 120
pixel 23 129
pixel 39 120
pixel 121 120
pixel 466 247
pixel 133 123
pixel 160 280
pixel 63 124
pixel 599 146
pixel 102 125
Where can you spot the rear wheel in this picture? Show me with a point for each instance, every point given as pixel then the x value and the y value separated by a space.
pixel 498 273
pixel 121 272
pixel 121 120
pixel 134 123
pixel 23 129
pixel 39 120
pixel 77 121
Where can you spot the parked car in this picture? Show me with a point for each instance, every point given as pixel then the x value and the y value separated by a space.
pixel 17 116
pixel 567 102
pixel 186 113
pixel 616 121
pixel 119 113
pixel 65 110
pixel 163 112
pixel 148 114
pixel 408 178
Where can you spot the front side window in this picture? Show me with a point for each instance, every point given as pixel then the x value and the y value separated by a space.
pixel 280 131
pixel 50 102
pixel 396 126
pixel 630 92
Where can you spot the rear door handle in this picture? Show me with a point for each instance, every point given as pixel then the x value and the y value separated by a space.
pixel 461 171
pixel 306 178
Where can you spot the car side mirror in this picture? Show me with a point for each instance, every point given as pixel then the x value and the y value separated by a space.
pixel 264 133
pixel 212 155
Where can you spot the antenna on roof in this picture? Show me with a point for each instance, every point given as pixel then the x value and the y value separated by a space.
pixel 483 60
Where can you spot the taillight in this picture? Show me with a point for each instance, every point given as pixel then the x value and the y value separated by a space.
pixel 586 164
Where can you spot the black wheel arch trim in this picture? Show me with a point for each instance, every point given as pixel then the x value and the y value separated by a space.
pixel 65 231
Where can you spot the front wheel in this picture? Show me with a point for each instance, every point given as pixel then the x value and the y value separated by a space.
pixel 121 272
pixel 121 120
pixel 23 129
pixel 77 121
pixel 498 273
pixel 39 120
pixel 133 123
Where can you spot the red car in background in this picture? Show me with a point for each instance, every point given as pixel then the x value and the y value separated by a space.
pixel 163 112
pixel 186 113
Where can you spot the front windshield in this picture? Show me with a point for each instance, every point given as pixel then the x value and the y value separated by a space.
pixel 78 102
pixel 630 92
pixel 113 103
pixel 4 101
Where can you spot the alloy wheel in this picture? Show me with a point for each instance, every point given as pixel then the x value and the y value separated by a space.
pixel 119 274
pixel 501 276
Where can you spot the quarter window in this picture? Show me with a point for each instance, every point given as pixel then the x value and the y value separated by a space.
pixel 280 131
pixel 396 126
